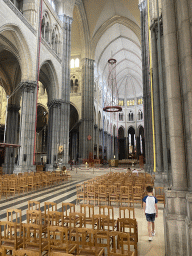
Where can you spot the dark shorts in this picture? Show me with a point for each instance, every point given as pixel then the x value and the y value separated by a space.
pixel 150 217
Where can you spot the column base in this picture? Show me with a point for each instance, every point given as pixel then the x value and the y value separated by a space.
pixel 8 168
pixel 22 169
pixel 161 179
pixel 175 223
pixel 50 168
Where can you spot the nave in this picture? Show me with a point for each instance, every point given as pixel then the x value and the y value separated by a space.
pixel 66 192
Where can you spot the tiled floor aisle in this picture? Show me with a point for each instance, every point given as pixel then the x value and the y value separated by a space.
pixel 66 192
pixel 145 248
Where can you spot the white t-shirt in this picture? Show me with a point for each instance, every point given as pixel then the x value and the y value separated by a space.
pixel 150 204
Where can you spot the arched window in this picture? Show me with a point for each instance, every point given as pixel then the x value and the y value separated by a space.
pixel 45 27
pixel 130 116
pixel 47 32
pixel 55 40
pixel 140 115
pixel 52 3
pixel 18 4
pixel 77 62
pixel 72 63
pixel 120 116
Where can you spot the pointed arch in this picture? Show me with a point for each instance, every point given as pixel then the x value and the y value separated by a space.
pixel 48 77
pixel 13 40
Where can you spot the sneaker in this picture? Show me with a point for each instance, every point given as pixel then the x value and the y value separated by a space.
pixel 150 239
pixel 153 233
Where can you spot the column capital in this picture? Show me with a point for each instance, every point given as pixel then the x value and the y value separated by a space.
pixel 142 5
pixel 28 85
pixel 55 103
pixel 66 19
pixel 88 62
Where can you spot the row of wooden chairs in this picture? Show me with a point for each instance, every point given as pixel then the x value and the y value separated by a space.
pixel 15 184
pixel 86 211
pixel 117 188
pixel 109 194
pixel 104 221
pixel 30 240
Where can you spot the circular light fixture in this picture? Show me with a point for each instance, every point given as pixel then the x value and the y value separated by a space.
pixel 112 109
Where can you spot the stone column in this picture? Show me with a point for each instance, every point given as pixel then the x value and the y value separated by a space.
pixel 146 88
pixel 27 127
pixel 175 210
pixel 109 146
pixel 56 138
pixel 86 127
pixel 11 137
pixel 66 56
pixel 157 114
pixel 105 144
pixel 30 11
pixel 185 70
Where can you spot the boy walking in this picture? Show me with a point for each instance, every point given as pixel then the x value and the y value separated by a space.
pixel 151 210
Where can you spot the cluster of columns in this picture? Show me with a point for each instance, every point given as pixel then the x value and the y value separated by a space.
pixel 86 130
pixel 146 88
pixel 59 111
pixel 178 65
pixel 11 137
pixel 172 79
pixel 27 127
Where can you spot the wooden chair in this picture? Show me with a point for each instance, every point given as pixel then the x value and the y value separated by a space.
pixel 108 211
pixel 88 210
pixel 120 244
pixel 76 220
pixel 138 195
pixel 13 189
pixel 80 193
pixel 55 218
pixel 45 180
pixel 10 236
pixel 48 206
pixel 91 196
pixel 66 209
pixel 102 194
pixel 14 215
pixel 127 212
pixel 23 185
pixel 34 205
pixel 124 195
pixel 160 194
pixel 103 239
pixel 34 217
pixel 88 243
pixel 59 240
pixel 33 240
pixel 127 225
pixel 38 181
pixel 60 254
pixel 113 195
pixel 5 187
pixel 31 180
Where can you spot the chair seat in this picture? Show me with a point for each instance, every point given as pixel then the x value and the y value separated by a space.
pixel 91 251
pixel 118 253
pixel 62 248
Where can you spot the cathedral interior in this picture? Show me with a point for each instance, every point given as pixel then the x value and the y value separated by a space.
pixel 100 84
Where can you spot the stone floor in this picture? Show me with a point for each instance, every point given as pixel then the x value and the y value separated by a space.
pixel 66 192
pixel 145 248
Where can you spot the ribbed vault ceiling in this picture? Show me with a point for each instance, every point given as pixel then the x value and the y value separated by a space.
pixel 118 41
